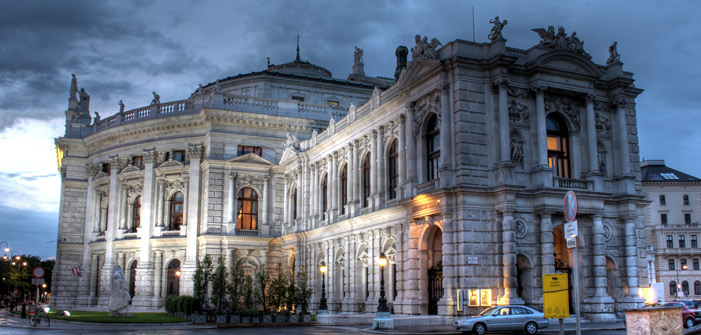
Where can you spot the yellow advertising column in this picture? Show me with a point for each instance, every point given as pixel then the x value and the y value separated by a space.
pixel 556 296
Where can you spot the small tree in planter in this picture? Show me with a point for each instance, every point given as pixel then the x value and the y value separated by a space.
pixel 261 289
pixel 303 294
pixel 203 273
pixel 277 292
pixel 248 292
pixel 235 289
pixel 219 286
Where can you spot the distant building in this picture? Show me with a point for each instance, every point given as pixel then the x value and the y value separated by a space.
pixel 672 229
pixel 456 172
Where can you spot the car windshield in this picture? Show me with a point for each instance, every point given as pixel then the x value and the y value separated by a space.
pixel 488 311
pixel 688 304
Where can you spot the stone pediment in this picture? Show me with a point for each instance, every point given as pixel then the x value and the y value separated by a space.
pixel 566 61
pixel 130 169
pixel 171 164
pixel 287 155
pixel 416 69
pixel 251 158
pixel 100 175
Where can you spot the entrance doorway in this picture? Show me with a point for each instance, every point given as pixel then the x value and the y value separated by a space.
pixel 434 264
pixel 132 280
pixel 173 286
pixel 435 287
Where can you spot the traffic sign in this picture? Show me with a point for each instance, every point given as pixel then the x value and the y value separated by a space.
pixel 572 242
pixel 38 272
pixel 570 206
pixel 37 281
pixel 571 229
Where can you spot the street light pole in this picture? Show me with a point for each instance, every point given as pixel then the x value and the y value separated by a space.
pixel 382 319
pixel 323 309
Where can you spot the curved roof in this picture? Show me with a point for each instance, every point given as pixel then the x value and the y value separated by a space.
pixel 301 68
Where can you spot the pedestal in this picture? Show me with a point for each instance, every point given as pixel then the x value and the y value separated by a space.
pixel 656 320
pixel 383 321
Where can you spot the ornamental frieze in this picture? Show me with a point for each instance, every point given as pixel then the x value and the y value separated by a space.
pixel 603 124
pixel 519 113
pixel 248 180
pixel 429 104
pixel 92 169
pixel 565 105
pixel 517 92
pixel 133 190
pixel 171 186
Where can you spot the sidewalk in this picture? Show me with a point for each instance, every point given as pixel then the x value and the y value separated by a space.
pixel 590 326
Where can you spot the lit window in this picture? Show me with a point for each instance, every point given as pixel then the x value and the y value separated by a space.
pixel 243 150
pixel 433 147
pixel 682 264
pixel 331 103
pixel 247 217
pixel 558 147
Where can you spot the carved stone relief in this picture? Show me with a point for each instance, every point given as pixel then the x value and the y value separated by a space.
pixel 248 180
pixel 603 124
pixel 565 105
pixel 428 104
pixel 521 229
pixel 519 113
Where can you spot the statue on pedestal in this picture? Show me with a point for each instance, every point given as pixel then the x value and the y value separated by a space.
pixel 119 295
pixel 156 99
pixel 74 87
pixel 495 34
pixel 358 56
pixel 121 106
pixel 614 57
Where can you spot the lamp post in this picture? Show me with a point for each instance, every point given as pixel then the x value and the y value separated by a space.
pixel 382 319
pixel 323 309
pixel 679 283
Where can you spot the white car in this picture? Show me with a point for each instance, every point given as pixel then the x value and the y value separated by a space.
pixel 503 318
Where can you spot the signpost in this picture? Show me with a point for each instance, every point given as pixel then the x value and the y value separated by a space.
pixel 571 234
pixel 38 279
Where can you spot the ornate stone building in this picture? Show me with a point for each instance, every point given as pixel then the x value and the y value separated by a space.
pixel 456 171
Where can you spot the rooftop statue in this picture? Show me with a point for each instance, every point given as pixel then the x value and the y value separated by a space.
pixel 614 57
pixel 97 118
pixel 84 103
pixel 156 99
pixel 560 41
pixel 401 54
pixel 74 87
pixel 358 56
pixel 217 87
pixel 200 91
pixel 424 49
pixel 119 295
pixel 292 142
pixel 121 106
pixel 495 34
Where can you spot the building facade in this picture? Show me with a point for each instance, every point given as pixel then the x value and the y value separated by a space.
pixel 456 171
pixel 672 229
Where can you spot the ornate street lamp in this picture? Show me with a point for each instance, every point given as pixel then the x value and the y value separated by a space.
pixel 383 301
pixel 7 246
pixel 679 283
pixel 382 319
pixel 323 309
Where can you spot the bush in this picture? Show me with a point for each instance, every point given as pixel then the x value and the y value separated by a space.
pixel 250 312
pixel 170 303
pixel 182 304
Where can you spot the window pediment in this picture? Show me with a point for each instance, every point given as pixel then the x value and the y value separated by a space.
pixel 250 158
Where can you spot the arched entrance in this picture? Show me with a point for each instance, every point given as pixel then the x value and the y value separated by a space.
pixel 434 265
pixel 132 280
pixel 524 279
pixel 173 281
pixel 612 282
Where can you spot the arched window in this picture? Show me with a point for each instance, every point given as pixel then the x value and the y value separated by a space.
pixel 366 180
pixel 324 189
pixel 136 215
pixel 433 147
pixel 176 211
pixel 294 205
pixel 173 278
pixel 673 288
pixel 697 287
pixel 558 147
pixel 248 210
pixel 344 188
pixel 392 170
pixel 685 288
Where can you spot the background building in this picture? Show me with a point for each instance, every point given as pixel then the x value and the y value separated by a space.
pixel 456 172
pixel 672 229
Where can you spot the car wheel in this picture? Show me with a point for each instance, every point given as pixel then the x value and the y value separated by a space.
pixel 688 323
pixel 531 328
pixel 479 329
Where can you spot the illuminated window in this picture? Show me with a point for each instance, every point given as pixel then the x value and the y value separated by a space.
pixel 682 264
pixel 247 217
pixel 392 170
pixel 243 149
pixel 331 103
pixel 344 188
pixel 176 211
pixel 433 147
pixel 366 180
pixel 558 147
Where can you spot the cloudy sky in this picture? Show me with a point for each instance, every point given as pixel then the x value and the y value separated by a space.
pixel 124 50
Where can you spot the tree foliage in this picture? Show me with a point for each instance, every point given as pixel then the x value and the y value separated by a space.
pixel 219 286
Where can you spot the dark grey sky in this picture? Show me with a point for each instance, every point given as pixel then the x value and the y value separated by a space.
pixel 124 50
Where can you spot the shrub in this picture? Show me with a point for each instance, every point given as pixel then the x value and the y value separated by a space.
pixel 170 303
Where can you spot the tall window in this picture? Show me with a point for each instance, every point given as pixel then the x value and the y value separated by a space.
pixel 663 219
pixel 682 241
pixel 366 180
pixel 682 264
pixel 136 215
pixel 176 211
pixel 392 170
pixel 671 264
pixel 694 241
pixel 176 155
pixel 247 217
pixel 294 205
pixel 324 190
pixel 695 263
pixel 244 149
pixel 685 288
pixel 558 147
pixel 663 201
pixel 344 188
pixel 697 287
pixel 137 161
pixel 433 147
pixel 673 288
pixel 687 219
pixel 670 241
pixel 173 286
pixel 685 198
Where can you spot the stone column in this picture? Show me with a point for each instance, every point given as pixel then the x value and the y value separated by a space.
pixel 158 279
pixel 124 205
pixel 333 185
pixel 193 209
pixel 313 194
pixel 149 196
pixel 401 162
pixel 547 248
pixel 447 304
pixel 380 196
pixel 591 134
pixel 234 201
pixel 631 257
pixel 92 277
pixel 504 142
pixel 541 127
pixel 300 196
pixel 113 217
pixel 264 208
pixel 350 186
pixel 286 204
pixel 374 169
pixel 90 203
pixel 357 192
pixel 160 194
pixel 446 168
pixel 599 256
pixel 410 153
pixel 623 146
pixel 509 261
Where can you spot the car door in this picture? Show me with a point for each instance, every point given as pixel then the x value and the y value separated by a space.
pixel 518 317
pixel 500 320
